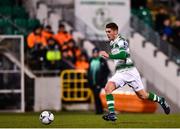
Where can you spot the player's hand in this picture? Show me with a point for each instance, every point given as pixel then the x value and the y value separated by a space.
pixel 104 54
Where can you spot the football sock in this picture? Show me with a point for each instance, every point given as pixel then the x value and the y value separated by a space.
pixel 110 102
pixel 154 97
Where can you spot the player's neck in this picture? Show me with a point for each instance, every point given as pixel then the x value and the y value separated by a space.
pixel 115 37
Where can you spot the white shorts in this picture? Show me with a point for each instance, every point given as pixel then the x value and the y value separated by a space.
pixel 128 76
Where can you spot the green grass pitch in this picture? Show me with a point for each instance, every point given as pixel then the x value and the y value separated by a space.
pixel 89 120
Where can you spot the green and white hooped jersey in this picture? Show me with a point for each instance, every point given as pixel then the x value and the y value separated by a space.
pixel 119 46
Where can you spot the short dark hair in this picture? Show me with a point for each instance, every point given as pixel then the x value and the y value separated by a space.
pixel 112 25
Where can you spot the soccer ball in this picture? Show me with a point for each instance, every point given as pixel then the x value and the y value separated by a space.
pixel 46 117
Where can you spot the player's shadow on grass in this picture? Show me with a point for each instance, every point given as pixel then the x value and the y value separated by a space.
pixel 133 122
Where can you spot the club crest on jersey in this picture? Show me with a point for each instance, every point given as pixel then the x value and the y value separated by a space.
pixel 115 51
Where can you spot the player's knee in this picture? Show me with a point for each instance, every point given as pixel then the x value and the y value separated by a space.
pixel 109 88
pixel 143 96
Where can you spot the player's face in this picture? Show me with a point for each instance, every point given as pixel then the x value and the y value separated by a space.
pixel 111 34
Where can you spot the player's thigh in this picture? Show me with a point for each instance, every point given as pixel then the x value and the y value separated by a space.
pixel 134 80
pixel 136 84
pixel 117 80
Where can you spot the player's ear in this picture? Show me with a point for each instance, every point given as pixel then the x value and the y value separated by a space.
pixel 116 32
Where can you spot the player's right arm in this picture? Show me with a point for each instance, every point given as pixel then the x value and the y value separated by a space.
pixel 104 54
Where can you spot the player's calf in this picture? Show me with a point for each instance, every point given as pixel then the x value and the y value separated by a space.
pixel 161 101
pixel 110 86
pixel 142 94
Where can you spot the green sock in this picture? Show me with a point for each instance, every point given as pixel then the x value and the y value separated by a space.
pixel 110 102
pixel 154 97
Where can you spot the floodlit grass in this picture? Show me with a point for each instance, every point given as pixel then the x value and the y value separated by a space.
pixel 89 120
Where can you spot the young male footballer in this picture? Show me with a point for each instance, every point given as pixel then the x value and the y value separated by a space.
pixel 126 73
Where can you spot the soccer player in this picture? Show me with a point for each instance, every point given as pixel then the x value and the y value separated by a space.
pixel 126 73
